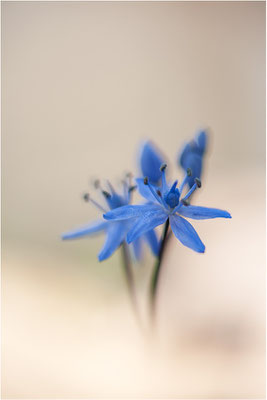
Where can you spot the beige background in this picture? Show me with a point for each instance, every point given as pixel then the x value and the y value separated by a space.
pixel 83 83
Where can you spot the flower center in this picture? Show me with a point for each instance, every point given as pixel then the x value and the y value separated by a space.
pixel 172 198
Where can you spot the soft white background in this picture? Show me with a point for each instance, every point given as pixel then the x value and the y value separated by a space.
pixel 83 83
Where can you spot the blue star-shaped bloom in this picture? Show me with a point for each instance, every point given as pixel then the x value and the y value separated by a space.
pixel 115 230
pixel 166 203
pixel 191 156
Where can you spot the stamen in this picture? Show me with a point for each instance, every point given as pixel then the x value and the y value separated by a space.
pixel 106 194
pixel 159 193
pixel 111 187
pixel 87 198
pixel 193 188
pixel 129 193
pixel 132 188
pixel 155 194
pixel 185 202
pixel 125 190
pixel 198 182
pixel 129 176
pixel 163 178
pixel 183 183
pixel 187 175
pixel 97 184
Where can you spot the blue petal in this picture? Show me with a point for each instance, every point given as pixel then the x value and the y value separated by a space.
pixel 89 229
pixel 194 162
pixel 201 140
pixel 115 235
pixel 144 189
pixel 137 247
pixel 184 153
pixel 150 162
pixel 148 221
pixel 196 212
pixel 127 212
pixel 152 239
pixel 185 232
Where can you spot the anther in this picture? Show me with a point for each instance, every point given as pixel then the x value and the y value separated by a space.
pixel 159 193
pixel 86 197
pixel 129 177
pixel 132 188
pixel 198 182
pixel 189 172
pixel 153 190
pixel 163 167
pixel 185 202
pixel 106 194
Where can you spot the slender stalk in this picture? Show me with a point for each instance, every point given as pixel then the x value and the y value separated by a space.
pixel 129 277
pixel 156 272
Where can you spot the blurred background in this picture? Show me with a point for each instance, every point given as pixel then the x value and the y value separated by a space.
pixel 83 84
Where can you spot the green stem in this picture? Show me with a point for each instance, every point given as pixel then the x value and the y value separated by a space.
pixel 156 273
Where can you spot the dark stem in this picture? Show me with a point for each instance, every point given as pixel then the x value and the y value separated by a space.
pixel 156 273
pixel 129 277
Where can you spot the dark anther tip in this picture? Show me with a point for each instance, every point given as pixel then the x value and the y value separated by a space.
pixel 106 194
pixel 163 167
pixel 189 172
pixel 185 202
pixel 131 188
pixel 97 183
pixel 86 196
pixel 198 182
pixel 159 193
pixel 146 180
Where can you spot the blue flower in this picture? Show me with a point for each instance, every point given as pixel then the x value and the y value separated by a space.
pixel 192 156
pixel 115 230
pixel 150 161
pixel 166 203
